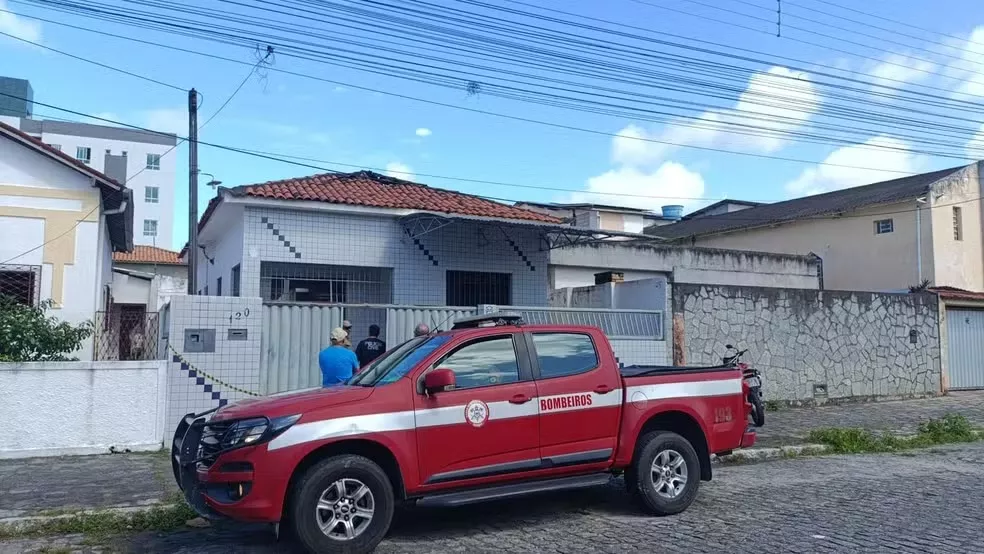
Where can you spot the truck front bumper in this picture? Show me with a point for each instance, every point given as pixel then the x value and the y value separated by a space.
pixel 222 485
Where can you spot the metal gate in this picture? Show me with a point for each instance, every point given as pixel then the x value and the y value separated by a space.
pixel 965 342
pixel 295 332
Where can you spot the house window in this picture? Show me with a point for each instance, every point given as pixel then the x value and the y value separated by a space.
pixel 152 195
pixel 153 161
pixel 325 283
pixel 150 228
pixel 957 224
pixel 883 226
pixel 22 283
pixel 218 286
pixel 471 288
pixel 83 154
pixel 56 147
pixel 234 280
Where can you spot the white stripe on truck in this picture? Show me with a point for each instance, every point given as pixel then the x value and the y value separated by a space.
pixel 455 415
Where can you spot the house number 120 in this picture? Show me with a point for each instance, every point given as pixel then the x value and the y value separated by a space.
pixel 239 315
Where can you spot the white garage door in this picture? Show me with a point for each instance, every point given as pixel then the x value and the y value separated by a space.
pixel 965 338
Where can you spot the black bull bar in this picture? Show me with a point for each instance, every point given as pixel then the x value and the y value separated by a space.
pixel 184 462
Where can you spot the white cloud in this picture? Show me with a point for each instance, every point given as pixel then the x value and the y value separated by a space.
pixel 423 132
pixel 668 184
pixel 897 69
pixel 777 102
pixel 399 170
pixel 167 120
pixel 975 146
pixel 968 68
pixel 19 27
pixel 825 178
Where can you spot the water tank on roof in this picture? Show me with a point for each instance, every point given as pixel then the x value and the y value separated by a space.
pixel 673 211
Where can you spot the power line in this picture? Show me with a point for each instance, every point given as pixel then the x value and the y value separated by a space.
pixel 283 159
pixel 828 47
pixel 591 130
pixel 93 62
pixel 897 22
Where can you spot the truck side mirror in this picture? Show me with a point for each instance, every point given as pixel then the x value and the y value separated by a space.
pixel 438 380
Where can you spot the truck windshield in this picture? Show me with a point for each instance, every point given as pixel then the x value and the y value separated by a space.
pixel 396 363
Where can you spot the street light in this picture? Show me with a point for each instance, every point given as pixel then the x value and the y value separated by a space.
pixel 214 183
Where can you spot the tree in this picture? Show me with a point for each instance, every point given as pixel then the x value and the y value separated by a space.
pixel 921 287
pixel 27 335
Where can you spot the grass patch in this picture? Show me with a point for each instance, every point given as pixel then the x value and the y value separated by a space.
pixel 951 428
pixel 773 406
pixel 104 524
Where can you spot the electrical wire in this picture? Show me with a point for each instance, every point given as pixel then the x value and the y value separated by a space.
pixel 93 62
pixel 842 141
pixel 285 159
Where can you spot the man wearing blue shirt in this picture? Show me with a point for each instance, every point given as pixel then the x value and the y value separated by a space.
pixel 337 362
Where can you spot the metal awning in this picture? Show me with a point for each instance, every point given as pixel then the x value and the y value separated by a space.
pixel 553 235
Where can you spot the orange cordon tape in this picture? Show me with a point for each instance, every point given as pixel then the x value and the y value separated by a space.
pixel 206 375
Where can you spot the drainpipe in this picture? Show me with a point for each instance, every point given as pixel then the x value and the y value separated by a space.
pixel 919 274
pixel 819 270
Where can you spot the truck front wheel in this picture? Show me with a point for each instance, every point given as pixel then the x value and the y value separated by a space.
pixel 343 504
pixel 665 475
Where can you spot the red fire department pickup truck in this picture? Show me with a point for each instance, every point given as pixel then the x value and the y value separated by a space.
pixel 491 409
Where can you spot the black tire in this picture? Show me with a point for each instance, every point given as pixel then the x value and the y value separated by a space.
pixel 643 487
pixel 758 407
pixel 322 477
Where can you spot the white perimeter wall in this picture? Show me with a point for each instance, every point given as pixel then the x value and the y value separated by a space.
pixel 59 408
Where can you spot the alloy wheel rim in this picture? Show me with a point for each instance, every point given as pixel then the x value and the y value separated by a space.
pixel 345 509
pixel 669 474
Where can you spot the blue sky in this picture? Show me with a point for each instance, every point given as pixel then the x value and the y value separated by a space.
pixel 342 123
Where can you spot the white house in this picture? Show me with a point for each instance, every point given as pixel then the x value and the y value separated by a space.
pixel 60 222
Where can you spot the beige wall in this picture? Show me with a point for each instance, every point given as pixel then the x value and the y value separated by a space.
pixel 958 263
pixel 854 257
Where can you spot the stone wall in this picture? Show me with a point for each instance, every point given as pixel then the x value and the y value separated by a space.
pixel 816 345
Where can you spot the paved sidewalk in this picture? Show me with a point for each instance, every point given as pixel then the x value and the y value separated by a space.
pixel 792 425
pixel 42 486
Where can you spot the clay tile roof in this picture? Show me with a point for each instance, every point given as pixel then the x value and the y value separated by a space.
pixel 148 255
pixel 366 188
pixel 953 293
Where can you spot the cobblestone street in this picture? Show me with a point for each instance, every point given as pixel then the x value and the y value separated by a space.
pixel 922 502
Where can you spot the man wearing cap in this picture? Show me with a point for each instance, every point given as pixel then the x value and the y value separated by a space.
pixel 337 362
pixel 347 327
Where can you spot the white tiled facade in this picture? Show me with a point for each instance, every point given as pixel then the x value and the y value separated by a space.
pixel 418 266
pixel 199 381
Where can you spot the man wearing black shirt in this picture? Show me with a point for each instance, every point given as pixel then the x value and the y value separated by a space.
pixel 371 348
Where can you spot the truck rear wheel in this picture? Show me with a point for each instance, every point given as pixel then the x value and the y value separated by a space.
pixel 665 475
pixel 344 504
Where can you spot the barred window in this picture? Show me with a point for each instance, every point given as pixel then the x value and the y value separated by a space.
pixel 22 283
pixel 293 282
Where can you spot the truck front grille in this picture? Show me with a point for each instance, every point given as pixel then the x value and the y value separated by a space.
pixel 211 443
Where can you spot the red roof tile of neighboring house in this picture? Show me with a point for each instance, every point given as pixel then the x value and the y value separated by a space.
pixel 148 255
pixel 953 293
pixel 58 154
pixel 366 188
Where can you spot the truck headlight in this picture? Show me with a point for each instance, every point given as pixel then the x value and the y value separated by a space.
pixel 252 431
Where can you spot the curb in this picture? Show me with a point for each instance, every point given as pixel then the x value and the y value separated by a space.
pixel 21 521
pixel 775 453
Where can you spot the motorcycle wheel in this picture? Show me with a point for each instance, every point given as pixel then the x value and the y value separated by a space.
pixel 758 407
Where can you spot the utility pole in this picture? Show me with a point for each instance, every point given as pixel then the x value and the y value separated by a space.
pixel 192 192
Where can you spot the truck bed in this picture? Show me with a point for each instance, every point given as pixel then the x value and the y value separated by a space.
pixel 630 371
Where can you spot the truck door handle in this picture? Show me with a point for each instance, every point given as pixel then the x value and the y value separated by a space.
pixel 603 389
pixel 519 399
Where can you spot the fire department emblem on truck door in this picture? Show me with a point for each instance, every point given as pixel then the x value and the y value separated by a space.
pixel 477 413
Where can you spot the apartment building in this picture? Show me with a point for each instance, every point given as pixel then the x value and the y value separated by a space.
pixel 133 157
